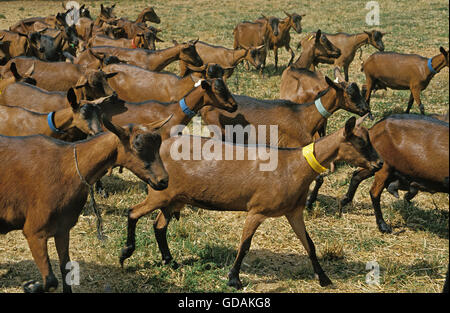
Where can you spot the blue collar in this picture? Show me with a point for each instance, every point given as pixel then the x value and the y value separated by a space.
pixel 185 109
pixel 51 124
pixel 321 109
pixel 430 67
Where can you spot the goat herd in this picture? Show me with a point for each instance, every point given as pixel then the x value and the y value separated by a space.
pixel 62 82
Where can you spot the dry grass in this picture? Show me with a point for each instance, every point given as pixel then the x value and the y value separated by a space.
pixel 205 242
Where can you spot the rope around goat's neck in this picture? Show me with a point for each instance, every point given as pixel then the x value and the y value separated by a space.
pixel 97 212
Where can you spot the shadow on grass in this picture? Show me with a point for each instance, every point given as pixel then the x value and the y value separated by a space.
pixel 434 221
pixel 114 184
pixel 94 278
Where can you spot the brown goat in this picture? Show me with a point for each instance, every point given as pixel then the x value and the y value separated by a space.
pixel 18 44
pixel 402 72
pixel 210 92
pixel 132 28
pixel 283 38
pixel 141 40
pixel 348 44
pixel 90 86
pixel 228 59
pixel 261 194
pixel 81 114
pixel 135 84
pixel 26 78
pixel 415 152
pixel 254 34
pixel 45 207
pixel 154 60
pixel 51 76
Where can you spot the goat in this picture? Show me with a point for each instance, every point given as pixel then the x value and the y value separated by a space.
pixel 314 49
pixel 141 40
pixel 135 84
pixel 44 208
pixel 402 72
pixel 348 44
pixel 26 78
pixel 80 114
pixel 154 60
pixel 228 59
pixel 90 86
pixel 283 38
pixel 255 34
pixel 51 76
pixel 414 149
pixel 18 44
pixel 132 28
pixel 106 15
pixel 261 194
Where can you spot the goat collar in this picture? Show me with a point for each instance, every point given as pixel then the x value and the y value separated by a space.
pixel 185 108
pixel 321 108
pixel 430 67
pixel 51 123
pixel 308 153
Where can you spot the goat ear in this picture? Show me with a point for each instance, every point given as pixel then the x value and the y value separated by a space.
pixel 72 98
pixel 205 84
pixel 318 35
pixel 158 124
pixel 111 75
pixel 445 53
pixel 360 120
pixel 331 83
pixel 116 130
pixel 349 127
pixel 112 7
pixel 30 71
pixel 14 71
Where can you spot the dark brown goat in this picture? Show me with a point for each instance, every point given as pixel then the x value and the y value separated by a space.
pixel 283 38
pixel 80 114
pixel 349 44
pixel 45 207
pixel 133 28
pixel 261 194
pixel 92 85
pixel 402 72
pixel 415 151
pixel 154 60
pixel 254 34
pixel 228 59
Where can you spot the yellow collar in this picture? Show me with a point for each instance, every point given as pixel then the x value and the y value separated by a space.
pixel 308 153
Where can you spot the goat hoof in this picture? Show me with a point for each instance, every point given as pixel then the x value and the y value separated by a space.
pixel 324 280
pixel 235 283
pixel 173 264
pixel 32 286
pixel 384 228
pixel 125 254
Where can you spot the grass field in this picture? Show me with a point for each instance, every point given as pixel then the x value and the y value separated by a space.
pixel 414 259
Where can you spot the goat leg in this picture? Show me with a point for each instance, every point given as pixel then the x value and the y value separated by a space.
pixel 38 247
pixel 130 246
pixel 380 182
pixel 298 225
pixel 252 222
pixel 62 247
pixel 313 195
pixel 357 177
pixel 410 102
pixel 160 227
